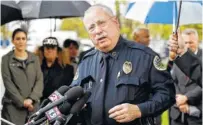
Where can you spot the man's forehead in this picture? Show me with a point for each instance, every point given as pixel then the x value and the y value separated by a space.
pixel 95 15
pixel 189 36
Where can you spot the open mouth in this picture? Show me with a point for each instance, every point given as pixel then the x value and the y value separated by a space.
pixel 101 39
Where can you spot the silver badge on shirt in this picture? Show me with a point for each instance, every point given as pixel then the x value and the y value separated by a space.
pixel 127 67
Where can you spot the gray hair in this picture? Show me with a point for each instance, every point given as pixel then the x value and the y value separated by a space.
pixel 139 29
pixel 190 31
pixel 103 7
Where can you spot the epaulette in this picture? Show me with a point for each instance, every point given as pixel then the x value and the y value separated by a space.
pixel 90 53
pixel 135 45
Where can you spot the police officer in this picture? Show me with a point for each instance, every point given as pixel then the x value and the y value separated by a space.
pixel 124 75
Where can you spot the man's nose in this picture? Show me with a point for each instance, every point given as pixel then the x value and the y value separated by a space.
pixel 98 29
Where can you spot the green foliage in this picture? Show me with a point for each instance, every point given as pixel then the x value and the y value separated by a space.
pixel 74 24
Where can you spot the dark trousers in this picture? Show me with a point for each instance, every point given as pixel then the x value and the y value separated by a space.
pixel 157 120
pixel 188 120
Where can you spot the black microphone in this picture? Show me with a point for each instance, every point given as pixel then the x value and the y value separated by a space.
pixel 54 112
pixel 72 94
pixel 60 120
pixel 56 95
pixel 78 106
pixel 60 91
pixel 44 102
pixel 63 108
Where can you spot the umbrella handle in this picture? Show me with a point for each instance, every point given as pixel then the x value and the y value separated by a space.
pixel 173 54
pixel 178 19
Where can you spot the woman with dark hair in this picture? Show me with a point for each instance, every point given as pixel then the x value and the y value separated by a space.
pixel 23 81
pixel 56 70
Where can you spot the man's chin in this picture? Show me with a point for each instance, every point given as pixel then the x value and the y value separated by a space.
pixel 104 49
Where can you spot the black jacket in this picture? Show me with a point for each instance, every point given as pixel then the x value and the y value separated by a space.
pixel 191 65
pixel 186 86
pixel 55 77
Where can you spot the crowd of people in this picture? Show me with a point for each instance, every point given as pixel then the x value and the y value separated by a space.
pixel 130 84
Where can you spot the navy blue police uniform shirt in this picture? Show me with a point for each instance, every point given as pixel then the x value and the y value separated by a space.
pixel 134 75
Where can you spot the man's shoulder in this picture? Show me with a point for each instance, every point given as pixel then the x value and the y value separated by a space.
pixel 139 47
pixel 90 53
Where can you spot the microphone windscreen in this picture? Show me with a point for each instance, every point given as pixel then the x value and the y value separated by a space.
pixel 65 108
pixel 74 93
pixel 63 89
pixel 80 103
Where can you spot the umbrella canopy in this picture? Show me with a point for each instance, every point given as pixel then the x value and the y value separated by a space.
pixel 53 9
pixel 10 11
pixel 165 12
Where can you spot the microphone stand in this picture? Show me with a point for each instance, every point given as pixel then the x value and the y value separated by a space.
pixel 60 120
pixel 6 121
pixel 33 122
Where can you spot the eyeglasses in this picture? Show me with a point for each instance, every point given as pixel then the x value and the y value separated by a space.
pixel 99 23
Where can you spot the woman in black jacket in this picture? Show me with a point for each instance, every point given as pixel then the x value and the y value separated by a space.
pixel 55 72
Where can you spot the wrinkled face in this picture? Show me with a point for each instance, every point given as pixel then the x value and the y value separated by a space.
pixel 50 53
pixel 143 37
pixel 20 41
pixel 191 42
pixel 73 51
pixel 103 29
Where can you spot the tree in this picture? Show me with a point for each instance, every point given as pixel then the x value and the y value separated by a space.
pixel 74 24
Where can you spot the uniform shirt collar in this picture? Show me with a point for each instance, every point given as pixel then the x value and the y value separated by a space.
pixel 115 52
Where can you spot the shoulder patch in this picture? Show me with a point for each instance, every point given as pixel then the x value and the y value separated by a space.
pixel 158 64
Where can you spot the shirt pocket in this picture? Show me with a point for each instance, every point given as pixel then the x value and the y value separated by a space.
pixel 131 89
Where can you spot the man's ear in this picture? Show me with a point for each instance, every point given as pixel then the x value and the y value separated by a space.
pixel 135 37
pixel 115 19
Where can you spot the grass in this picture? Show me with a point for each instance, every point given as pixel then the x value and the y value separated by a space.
pixel 165 118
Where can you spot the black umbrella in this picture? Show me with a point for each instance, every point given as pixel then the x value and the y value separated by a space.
pixel 53 9
pixel 10 11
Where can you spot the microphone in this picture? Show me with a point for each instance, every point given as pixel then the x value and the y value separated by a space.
pixel 80 103
pixel 73 94
pixel 56 95
pixel 63 108
pixel 60 120
pixel 54 112
pixel 78 106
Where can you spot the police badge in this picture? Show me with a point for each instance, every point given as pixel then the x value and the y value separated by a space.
pixel 158 64
pixel 127 67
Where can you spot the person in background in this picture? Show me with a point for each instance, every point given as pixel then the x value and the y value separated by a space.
pixel 55 72
pixel 73 48
pixel 185 59
pixel 142 36
pixel 188 108
pixel 23 81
